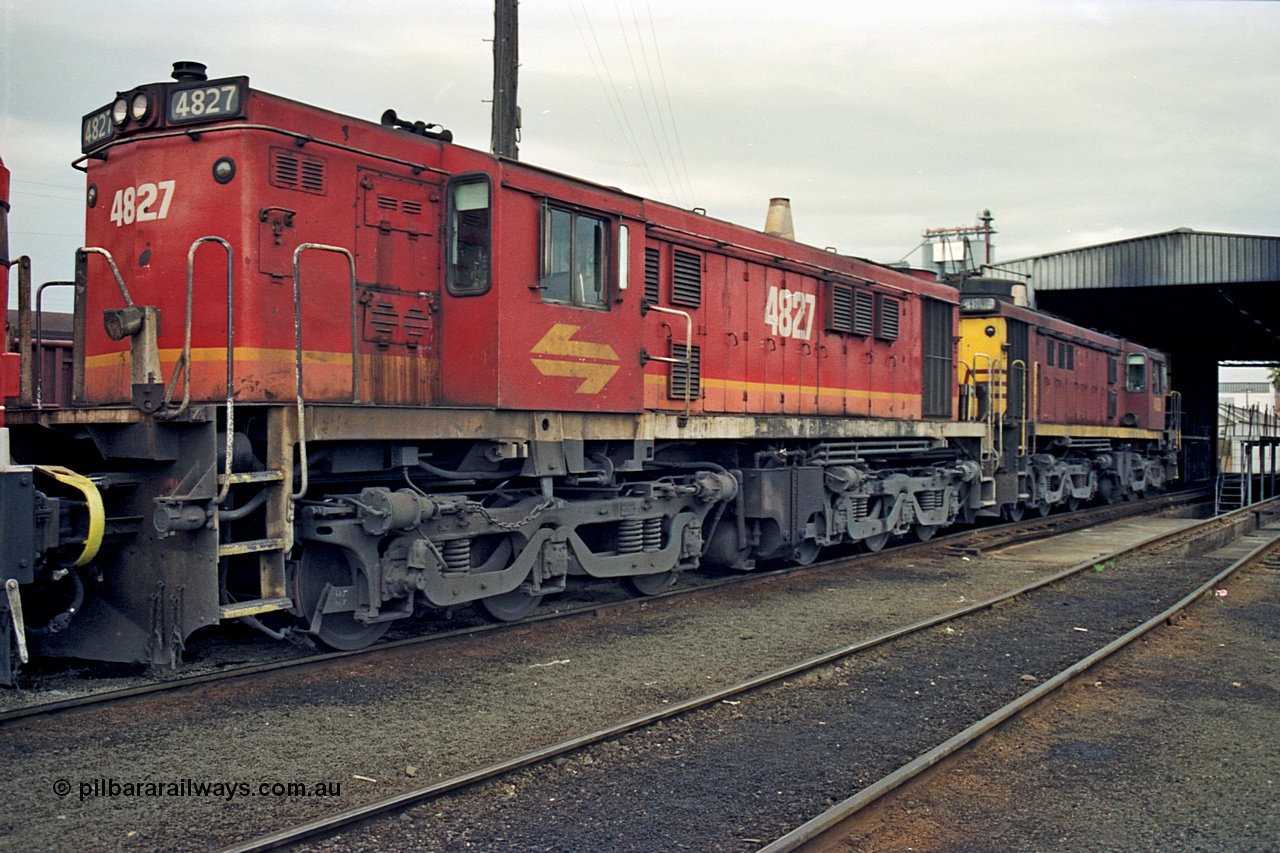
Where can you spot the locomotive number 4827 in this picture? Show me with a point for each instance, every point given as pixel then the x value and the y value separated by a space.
pixel 138 204
pixel 204 102
pixel 789 313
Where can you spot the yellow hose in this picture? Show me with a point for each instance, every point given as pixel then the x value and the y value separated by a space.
pixel 93 500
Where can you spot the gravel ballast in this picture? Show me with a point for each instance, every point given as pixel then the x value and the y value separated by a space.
pixel 404 721
pixel 729 778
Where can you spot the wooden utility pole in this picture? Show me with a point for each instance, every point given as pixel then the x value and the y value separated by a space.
pixel 506 64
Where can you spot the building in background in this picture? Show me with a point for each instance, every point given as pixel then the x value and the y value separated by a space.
pixel 1248 435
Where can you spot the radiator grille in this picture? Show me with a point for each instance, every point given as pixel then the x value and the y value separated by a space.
pixel 293 171
pixel 863 313
pixel 841 309
pixel 886 317
pixel 853 310
pixel 651 258
pixel 685 377
pixel 686 281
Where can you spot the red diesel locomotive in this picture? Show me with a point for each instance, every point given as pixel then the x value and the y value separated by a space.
pixel 329 372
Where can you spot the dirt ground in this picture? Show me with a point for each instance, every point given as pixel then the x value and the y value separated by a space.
pixel 1172 745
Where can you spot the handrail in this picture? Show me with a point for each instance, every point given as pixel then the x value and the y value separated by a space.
pixel 969 381
pixel 183 366
pixel 115 271
pixel 1026 394
pixel 1173 410
pixel 995 379
pixel 297 345
pixel 687 361
pixel 26 380
pixel 39 339
pixel 996 369
pixel 299 139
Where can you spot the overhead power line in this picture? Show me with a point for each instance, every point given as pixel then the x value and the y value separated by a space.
pixel 655 101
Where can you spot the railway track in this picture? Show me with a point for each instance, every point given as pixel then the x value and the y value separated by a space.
pixel 612 750
pixel 971 542
pixel 824 831
pixel 371 722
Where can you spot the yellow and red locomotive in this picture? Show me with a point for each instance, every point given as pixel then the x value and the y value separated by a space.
pixel 1072 413
pixel 328 372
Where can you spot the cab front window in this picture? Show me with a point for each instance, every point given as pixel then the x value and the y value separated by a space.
pixel 1136 373
pixel 469 240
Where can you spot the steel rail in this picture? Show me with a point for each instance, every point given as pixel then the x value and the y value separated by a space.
pixel 1001 536
pixel 843 811
pixel 327 825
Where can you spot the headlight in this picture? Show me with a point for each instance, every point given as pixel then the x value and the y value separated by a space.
pixel 224 170
pixel 119 112
pixel 140 106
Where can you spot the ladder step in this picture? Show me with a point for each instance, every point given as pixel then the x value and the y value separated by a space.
pixel 253 608
pixel 987 485
pixel 252 546
pixel 253 477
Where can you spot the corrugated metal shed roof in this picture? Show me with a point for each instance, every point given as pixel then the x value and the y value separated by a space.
pixel 1180 257
pixel 1246 388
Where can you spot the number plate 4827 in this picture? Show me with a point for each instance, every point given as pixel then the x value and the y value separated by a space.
pixel 789 313
pixel 142 203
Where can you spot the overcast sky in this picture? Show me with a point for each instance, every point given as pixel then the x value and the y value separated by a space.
pixel 1074 123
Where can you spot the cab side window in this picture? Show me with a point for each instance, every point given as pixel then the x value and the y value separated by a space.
pixel 574 248
pixel 470 235
pixel 1136 372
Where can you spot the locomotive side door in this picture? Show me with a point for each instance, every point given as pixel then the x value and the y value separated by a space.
pixel 570 320
pixel 1017 371
pixel 398 223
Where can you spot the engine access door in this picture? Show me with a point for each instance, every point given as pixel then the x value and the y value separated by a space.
pixel 398 269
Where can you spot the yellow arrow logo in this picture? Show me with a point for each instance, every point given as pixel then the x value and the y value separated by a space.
pixel 558 341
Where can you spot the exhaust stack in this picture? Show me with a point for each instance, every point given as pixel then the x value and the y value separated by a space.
pixel 778 222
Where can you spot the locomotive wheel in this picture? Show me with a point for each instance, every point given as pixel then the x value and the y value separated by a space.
pixel 1107 491
pixel 1073 504
pixel 807 551
pixel 1044 509
pixel 1014 512
pixel 877 542
pixel 652 584
pixel 924 532
pixel 508 607
pixel 324 566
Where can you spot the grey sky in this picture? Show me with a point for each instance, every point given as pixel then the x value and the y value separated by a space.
pixel 1075 123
